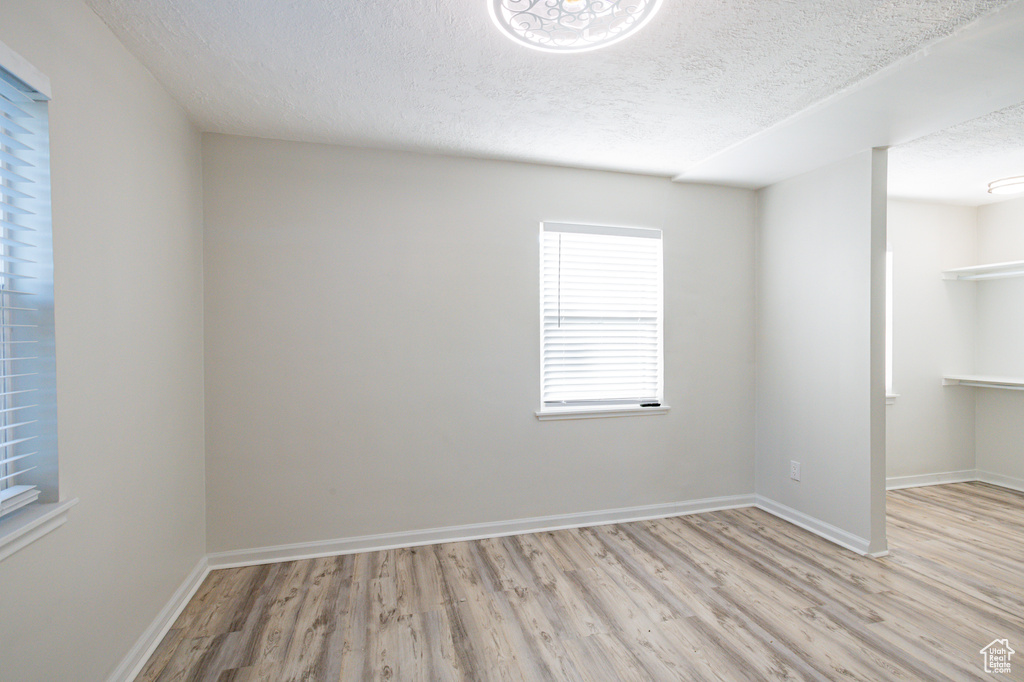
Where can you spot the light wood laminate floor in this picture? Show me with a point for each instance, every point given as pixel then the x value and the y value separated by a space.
pixel 730 595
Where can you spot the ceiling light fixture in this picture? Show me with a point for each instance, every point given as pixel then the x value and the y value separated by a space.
pixel 1007 185
pixel 571 25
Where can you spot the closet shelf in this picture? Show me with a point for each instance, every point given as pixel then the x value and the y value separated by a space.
pixel 1010 383
pixel 991 271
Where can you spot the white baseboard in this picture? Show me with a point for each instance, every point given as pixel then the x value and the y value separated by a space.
pixel 132 664
pixel 898 482
pixel 476 531
pixel 965 476
pixel 1001 480
pixel 831 533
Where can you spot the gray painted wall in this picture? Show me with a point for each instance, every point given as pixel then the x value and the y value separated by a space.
pixel 127 225
pixel 1000 414
pixel 372 344
pixel 946 327
pixel 930 427
pixel 820 345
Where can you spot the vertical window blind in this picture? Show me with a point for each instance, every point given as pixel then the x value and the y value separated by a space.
pixel 601 315
pixel 24 193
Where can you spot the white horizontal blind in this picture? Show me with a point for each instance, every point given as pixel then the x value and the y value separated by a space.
pixel 601 315
pixel 23 184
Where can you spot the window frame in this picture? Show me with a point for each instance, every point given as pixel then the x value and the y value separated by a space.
pixel 25 524
pixel 596 408
pixel 890 392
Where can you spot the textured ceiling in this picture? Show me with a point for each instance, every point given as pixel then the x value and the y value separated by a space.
pixel 435 75
pixel 958 163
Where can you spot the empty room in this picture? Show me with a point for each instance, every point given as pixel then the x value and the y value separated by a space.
pixel 511 340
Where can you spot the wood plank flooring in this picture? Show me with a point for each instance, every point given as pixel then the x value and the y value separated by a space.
pixel 731 595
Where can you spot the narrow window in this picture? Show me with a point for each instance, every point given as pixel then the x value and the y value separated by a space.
pixel 888 324
pixel 601 316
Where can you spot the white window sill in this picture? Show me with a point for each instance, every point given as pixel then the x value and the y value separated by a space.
pixel 555 413
pixel 24 527
pixel 890 398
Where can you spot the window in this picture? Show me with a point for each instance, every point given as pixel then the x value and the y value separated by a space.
pixel 888 326
pixel 28 413
pixel 601 319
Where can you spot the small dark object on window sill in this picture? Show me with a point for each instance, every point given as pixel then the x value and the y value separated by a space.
pixel 650 404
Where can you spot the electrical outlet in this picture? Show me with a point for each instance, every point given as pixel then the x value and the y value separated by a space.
pixel 794 470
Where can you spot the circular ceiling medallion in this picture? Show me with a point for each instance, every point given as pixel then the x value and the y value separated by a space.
pixel 571 25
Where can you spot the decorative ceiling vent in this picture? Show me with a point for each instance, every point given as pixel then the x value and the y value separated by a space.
pixel 571 25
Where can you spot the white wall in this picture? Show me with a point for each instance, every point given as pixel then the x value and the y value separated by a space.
pixel 127 224
pixel 1000 349
pixel 372 344
pixel 948 327
pixel 930 427
pixel 820 346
